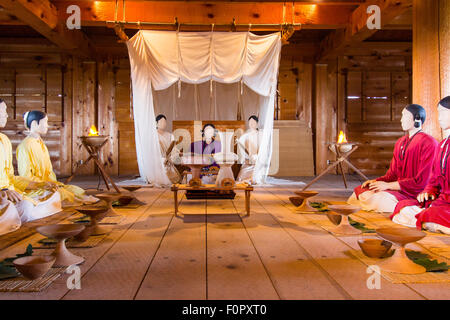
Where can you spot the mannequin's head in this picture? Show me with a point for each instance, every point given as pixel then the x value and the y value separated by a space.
pixel 36 121
pixel 253 122
pixel 161 122
pixel 444 113
pixel 413 117
pixel 3 114
pixel 209 131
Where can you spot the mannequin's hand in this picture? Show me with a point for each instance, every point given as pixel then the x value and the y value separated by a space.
pixel 367 183
pixel 425 196
pixel 254 158
pixel 378 186
pixel 48 185
pixel 13 196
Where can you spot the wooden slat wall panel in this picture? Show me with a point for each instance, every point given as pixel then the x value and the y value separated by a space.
pixel 377 88
pixel 54 92
pixel 7 89
pixel 107 115
pixel 374 103
pixel 287 86
pixel 84 110
pixel 30 90
pixel 126 144
pixel 354 96
pixel 377 96
pixel 401 93
pixel 67 107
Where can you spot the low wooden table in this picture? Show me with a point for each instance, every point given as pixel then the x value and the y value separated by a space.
pixel 241 186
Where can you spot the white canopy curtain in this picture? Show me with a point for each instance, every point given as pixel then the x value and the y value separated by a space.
pixel 161 60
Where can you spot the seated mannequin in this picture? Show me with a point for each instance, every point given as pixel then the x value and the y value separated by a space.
pixel 34 162
pixel 431 209
pixel 248 145
pixel 409 170
pixel 22 199
pixel 208 147
pixel 165 141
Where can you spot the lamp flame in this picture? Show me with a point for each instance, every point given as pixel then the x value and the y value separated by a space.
pixel 342 138
pixel 93 131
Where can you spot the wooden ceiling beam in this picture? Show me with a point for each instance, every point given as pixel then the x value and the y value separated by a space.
pixel 356 30
pixel 42 16
pixel 307 2
pixel 97 13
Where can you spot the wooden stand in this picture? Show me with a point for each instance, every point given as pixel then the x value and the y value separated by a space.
pixel 211 187
pixel 93 148
pixel 340 158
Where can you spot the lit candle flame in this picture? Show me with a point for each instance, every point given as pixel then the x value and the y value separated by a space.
pixel 93 131
pixel 342 138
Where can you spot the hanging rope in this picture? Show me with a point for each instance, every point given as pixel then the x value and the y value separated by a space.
pixel 211 61
pixel 178 61
pixel 123 16
pixel 115 10
pixel 293 12
pixel 241 83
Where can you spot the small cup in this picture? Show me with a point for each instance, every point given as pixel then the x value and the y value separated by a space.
pixel 34 267
pixel 374 248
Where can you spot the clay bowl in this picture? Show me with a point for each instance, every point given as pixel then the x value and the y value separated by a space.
pixel 296 201
pixel 399 262
pixel 95 214
pixel 374 248
pixel 306 194
pixel 334 218
pixel 60 231
pixel 344 210
pixel 131 188
pixel 93 141
pixel 34 267
pixel 345 147
pixel 109 197
pixel 124 200
pixel 401 236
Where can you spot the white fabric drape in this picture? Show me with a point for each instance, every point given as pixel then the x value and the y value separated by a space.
pixel 205 68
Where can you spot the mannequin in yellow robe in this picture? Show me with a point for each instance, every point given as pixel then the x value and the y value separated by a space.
pixel 33 160
pixel 21 199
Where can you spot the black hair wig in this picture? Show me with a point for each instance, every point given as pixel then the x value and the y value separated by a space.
pixel 445 102
pixel 31 116
pixel 418 113
pixel 254 118
pixel 160 116
pixel 209 125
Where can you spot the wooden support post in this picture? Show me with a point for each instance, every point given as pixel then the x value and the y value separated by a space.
pixel 175 198
pixel 431 62
pixel 247 202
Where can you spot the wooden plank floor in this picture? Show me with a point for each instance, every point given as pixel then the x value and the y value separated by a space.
pixel 213 251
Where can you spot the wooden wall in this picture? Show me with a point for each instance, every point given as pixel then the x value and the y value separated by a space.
pixel 76 94
pixel 363 94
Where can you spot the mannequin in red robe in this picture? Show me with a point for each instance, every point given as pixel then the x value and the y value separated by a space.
pixel 431 209
pixel 409 170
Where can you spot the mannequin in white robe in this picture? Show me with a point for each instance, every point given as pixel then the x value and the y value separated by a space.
pixel 248 145
pixel 165 140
